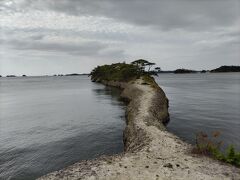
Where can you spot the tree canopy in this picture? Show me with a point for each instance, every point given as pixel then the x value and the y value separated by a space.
pixel 142 63
pixel 122 71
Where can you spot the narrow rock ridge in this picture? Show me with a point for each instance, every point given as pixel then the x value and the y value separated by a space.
pixel 150 151
pixel 154 112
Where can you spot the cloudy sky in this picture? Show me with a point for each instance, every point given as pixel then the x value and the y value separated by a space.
pixel 72 36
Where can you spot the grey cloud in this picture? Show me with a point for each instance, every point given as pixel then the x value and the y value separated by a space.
pixel 37 37
pixel 116 53
pixel 199 33
pixel 232 34
pixel 88 48
pixel 183 14
pixel 99 44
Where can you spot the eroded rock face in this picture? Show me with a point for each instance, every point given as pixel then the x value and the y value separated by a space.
pixel 154 113
pixel 157 114
pixel 151 152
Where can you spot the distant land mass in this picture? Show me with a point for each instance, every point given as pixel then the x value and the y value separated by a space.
pixel 227 69
pixel 220 69
pixel 76 74
pixel 183 71
pixel 165 72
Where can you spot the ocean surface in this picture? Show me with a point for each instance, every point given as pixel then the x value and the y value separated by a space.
pixel 204 102
pixel 47 123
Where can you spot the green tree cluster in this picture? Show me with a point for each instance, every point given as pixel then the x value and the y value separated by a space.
pixel 122 71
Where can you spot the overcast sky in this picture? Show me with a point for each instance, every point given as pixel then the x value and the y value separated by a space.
pixel 40 37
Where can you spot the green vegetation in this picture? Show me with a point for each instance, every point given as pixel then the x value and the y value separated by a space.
pixel 141 63
pixel 115 72
pixel 227 69
pixel 210 146
pixel 122 71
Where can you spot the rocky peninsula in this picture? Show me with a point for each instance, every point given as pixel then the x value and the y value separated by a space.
pixel 151 152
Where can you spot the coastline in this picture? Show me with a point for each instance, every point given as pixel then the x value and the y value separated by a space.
pixel 150 151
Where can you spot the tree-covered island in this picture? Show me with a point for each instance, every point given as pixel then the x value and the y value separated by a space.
pixel 123 72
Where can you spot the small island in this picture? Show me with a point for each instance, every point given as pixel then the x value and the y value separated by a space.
pixel 184 71
pixel 11 76
pixel 76 74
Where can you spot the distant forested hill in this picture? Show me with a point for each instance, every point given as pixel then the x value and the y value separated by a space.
pixel 183 71
pixel 227 69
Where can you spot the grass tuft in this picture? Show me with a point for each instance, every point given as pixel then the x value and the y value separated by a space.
pixel 211 146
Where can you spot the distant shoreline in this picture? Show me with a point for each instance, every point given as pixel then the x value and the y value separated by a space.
pixel 221 69
pixel 15 76
pixel 168 72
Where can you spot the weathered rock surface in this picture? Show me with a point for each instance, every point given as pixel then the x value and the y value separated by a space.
pixel 151 152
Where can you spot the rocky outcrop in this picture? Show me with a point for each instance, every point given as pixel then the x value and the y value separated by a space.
pixel 151 152
pixel 157 115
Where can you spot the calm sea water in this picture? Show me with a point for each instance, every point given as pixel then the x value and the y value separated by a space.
pixel 204 102
pixel 47 123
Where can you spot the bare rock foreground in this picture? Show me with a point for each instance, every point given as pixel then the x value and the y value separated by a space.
pixel 151 152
